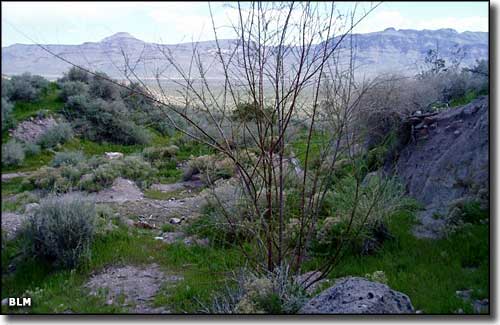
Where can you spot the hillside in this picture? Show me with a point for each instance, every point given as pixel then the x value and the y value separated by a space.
pixel 386 51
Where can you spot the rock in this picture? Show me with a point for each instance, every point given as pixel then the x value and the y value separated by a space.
pixel 464 294
pixel 158 238
pixel 481 306
pixel 434 170
pixel 355 295
pixel 172 237
pixel 113 155
pixel 175 221
pixel 193 240
pixel 31 130
pixel 419 312
pixel 5 301
pixel 11 224
pixel 143 224
pixel 30 208
pixel 456 132
pixel 203 242
pixel 187 185
pixel 9 176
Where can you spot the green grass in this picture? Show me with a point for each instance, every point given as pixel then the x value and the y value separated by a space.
pixel 14 186
pixel 203 269
pixel 91 148
pixel 467 98
pixel 31 162
pixel 299 145
pixel 159 195
pixel 429 272
pixel 49 101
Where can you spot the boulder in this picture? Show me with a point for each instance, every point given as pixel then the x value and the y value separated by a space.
pixel 355 295
pixel 113 155
pixel 451 163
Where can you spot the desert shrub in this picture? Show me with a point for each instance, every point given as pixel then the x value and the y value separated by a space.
pixel 133 98
pixel 128 132
pixel 100 120
pixel 211 167
pixel 76 106
pixel 465 211
pixel 102 177
pixel 134 167
pixel 8 120
pixel 248 112
pixel 51 179
pixel 153 154
pixel 377 276
pixel 13 153
pixel 31 149
pixel 6 89
pixel 25 87
pixel 72 88
pixel 102 88
pixel 76 74
pixel 272 292
pixel 58 134
pixel 378 199
pixel 67 158
pixel 61 230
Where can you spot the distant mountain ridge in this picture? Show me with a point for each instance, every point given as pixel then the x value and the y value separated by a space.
pixel 390 50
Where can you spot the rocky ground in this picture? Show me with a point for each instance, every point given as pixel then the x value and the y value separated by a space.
pixel 132 287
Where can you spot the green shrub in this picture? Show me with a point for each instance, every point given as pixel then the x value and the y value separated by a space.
pixel 57 134
pixel 51 179
pixel 7 117
pixel 212 168
pixel 134 167
pixel 378 199
pixel 101 120
pixel 67 158
pixel 13 153
pixel 159 153
pixel 215 226
pixel 250 112
pixel 61 230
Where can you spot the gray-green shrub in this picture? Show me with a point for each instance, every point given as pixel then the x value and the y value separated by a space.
pixel 61 230
pixel 25 87
pixel 72 88
pixel 13 153
pixel 31 149
pixel 57 134
pixel 7 117
pixel 67 158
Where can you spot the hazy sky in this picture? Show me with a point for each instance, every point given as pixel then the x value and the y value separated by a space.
pixel 176 22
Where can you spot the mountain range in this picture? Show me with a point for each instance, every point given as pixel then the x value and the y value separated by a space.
pixel 391 50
